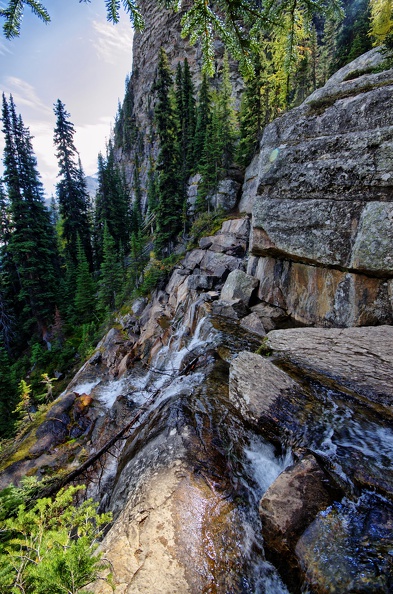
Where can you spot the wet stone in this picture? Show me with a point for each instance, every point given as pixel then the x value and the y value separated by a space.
pixel 288 507
pixel 348 548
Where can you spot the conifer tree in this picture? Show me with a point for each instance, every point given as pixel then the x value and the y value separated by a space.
pixel 8 394
pixel 84 303
pixel 251 117
pixel 126 129
pixel 353 37
pixel 111 279
pixel 111 205
pixel 219 145
pixel 136 214
pixel 202 122
pixel 31 245
pixel 185 112
pixel 170 200
pixel 71 189
pixel 227 117
pixel 189 117
pixel 7 294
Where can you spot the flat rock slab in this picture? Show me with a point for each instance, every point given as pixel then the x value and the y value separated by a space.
pixel 256 386
pixel 360 359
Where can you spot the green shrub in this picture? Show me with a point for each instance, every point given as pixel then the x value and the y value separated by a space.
pixel 49 548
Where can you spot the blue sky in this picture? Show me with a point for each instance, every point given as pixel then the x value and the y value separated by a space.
pixel 79 58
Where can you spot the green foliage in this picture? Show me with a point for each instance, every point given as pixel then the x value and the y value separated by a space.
pixel 206 223
pixel 29 275
pixel 86 339
pixel 23 406
pixel 381 19
pixel 237 24
pixel 111 280
pixel 126 130
pixel 111 205
pixel 170 200
pixel 84 303
pixel 13 14
pixel 71 189
pixel 50 547
pixel 220 136
pixel 352 38
pixel 8 394
pixel 156 272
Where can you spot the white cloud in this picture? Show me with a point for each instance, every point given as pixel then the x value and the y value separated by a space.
pixel 90 140
pixel 24 94
pixel 112 42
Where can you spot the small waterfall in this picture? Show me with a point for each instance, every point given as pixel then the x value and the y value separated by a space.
pixel 266 466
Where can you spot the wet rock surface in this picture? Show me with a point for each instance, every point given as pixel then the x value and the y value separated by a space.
pixel 288 507
pixel 358 539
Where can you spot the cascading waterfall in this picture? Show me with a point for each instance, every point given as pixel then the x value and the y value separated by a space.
pixel 237 463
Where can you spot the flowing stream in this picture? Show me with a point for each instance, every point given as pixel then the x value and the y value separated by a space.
pixel 187 415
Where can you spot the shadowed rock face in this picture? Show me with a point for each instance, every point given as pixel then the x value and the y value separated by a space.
pixel 321 195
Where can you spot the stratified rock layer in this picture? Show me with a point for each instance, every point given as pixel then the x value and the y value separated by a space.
pixel 321 192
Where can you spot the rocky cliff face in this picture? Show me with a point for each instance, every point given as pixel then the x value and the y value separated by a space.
pixel 320 193
pixel 239 451
pixel 162 30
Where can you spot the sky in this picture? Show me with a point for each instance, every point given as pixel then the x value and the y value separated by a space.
pixel 78 58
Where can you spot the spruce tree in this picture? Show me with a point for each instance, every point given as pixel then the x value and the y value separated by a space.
pixel 71 189
pixel 111 205
pixel 31 245
pixel 85 291
pixel 251 118
pixel 111 279
pixel 170 200
pixel 185 114
pixel 202 123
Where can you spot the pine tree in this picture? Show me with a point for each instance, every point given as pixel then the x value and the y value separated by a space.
pixel 111 279
pixel 71 189
pixel 170 200
pixel 111 205
pixel 8 395
pixel 84 303
pixel 31 245
pixel 202 123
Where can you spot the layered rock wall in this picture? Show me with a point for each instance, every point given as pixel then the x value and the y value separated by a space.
pixel 320 192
